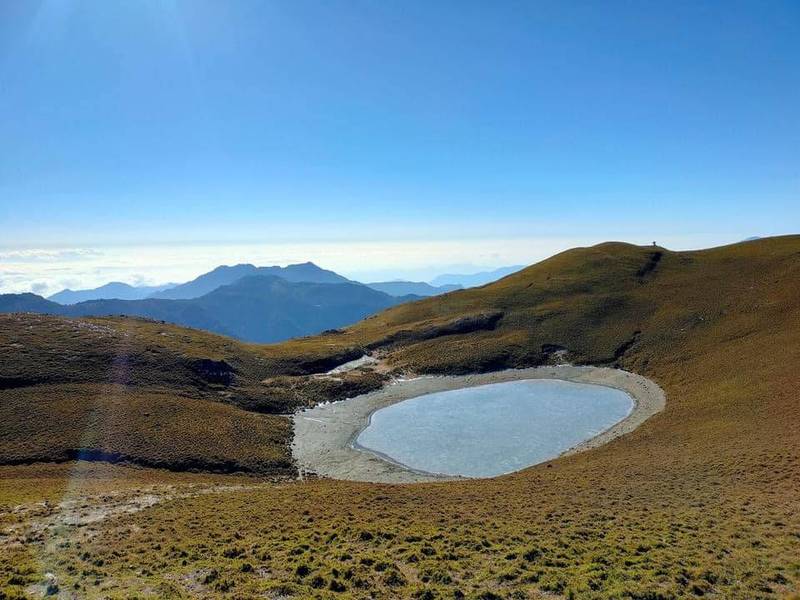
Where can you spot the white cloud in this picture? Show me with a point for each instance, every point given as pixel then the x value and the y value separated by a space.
pixel 47 255
pixel 50 270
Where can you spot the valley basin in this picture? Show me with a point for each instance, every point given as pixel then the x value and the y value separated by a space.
pixel 435 428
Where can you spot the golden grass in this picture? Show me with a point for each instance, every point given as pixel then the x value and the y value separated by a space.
pixel 703 500
pixel 52 482
pixel 43 505
pixel 112 422
pixel 136 391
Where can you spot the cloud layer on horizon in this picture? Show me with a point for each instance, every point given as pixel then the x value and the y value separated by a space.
pixel 46 271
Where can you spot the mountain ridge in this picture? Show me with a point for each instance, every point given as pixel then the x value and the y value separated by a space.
pixel 114 290
pixel 255 308
pixel 468 280
pixel 417 288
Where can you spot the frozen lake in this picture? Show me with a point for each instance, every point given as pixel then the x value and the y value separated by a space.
pixel 493 429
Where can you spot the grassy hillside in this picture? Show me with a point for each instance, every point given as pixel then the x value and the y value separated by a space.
pixel 157 429
pixel 36 349
pixel 702 501
pixel 599 303
pixel 153 394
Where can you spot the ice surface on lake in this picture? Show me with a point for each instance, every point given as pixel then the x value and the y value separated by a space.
pixel 493 429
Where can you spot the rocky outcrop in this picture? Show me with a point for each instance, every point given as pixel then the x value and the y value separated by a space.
pixel 214 371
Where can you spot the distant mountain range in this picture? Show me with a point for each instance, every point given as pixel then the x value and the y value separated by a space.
pixel 115 289
pixel 255 304
pixel 304 272
pixel 474 279
pixel 208 282
pixel 417 288
pixel 259 308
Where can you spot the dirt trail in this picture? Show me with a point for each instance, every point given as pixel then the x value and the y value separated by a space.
pixel 41 521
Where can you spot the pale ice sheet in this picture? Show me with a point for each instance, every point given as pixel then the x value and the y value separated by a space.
pixel 493 429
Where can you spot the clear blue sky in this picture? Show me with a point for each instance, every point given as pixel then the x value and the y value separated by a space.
pixel 169 121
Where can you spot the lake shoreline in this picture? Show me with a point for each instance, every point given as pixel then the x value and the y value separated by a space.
pixel 325 436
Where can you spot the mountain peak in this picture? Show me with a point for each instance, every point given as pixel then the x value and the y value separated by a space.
pixel 226 275
pixel 224 268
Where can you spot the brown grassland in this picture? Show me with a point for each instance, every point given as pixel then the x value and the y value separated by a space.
pixel 703 500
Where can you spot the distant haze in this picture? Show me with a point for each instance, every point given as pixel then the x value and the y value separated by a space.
pixel 475 279
pixel 46 271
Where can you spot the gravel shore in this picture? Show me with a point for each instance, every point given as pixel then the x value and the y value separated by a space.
pixel 325 435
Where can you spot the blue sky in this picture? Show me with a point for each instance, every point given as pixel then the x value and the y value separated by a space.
pixel 132 126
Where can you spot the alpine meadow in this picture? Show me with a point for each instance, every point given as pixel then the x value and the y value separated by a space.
pixel 361 300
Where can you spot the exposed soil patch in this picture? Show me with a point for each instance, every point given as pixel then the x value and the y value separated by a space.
pixel 214 371
pixel 468 324
pixel 650 265
pixel 626 345
pixel 36 522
